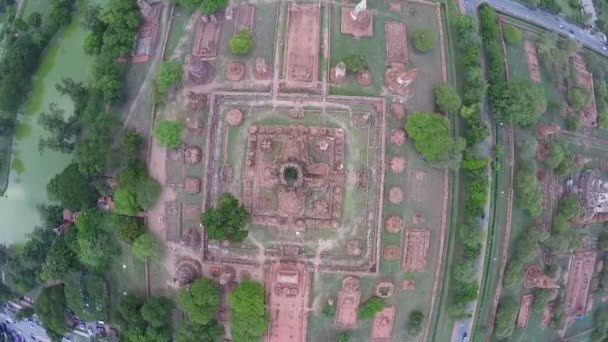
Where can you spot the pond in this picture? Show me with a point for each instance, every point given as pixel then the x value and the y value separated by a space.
pixel 30 170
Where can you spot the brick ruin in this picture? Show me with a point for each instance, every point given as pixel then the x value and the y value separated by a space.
pixel 349 297
pixel 245 15
pixel 357 21
pixel 588 114
pixel 535 278
pixel 301 68
pixel 398 80
pixel 396 43
pixel 581 268
pixel 206 36
pixel 546 315
pixel 416 246
pixel 147 34
pixel 532 61
pixel 286 187
pixel 382 325
pixel 592 189
pixel 287 290
pixel 524 311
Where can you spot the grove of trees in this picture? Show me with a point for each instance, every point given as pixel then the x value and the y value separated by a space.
pixel 248 315
pixel 227 220
pixel 432 138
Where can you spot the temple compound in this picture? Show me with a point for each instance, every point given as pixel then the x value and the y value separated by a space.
pixel 592 189
pixel 147 35
pixel 280 176
pixel 287 285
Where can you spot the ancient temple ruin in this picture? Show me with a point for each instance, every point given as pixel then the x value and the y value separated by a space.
pixel 147 34
pixel 592 189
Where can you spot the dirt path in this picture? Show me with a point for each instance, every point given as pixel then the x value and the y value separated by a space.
pixel 180 49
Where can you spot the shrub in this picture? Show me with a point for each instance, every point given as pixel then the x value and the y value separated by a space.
pixel 573 123
pixel 423 39
pixel 129 228
pixel 125 202
pixel 169 74
pixel 370 308
pixel 355 63
pixel 511 34
pixel 414 323
pixel 505 317
pixel 446 97
pixel 241 43
pixel 328 311
pixel 577 97
pixel 130 142
pixel 168 133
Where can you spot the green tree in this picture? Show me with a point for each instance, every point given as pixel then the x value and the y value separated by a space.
pixel 248 312
pixel 95 246
pixel 602 120
pixel 193 332
pixel 423 39
pixel 227 220
pixel 344 336
pixel 125 202
pixel 241 43
pixel 370 308
pixel 521 102
pixel 577 97
pixel 431 135
pixel 72 189
pixel 147 191
pixel 505 317
pixel 414 323
pixel 511 34
pixel 541 297
pixel 200 301
pixel 129 228
pixel 34 19
pixel 157 311
pixel 50 306
pixel 446 97
pixel 354 63
pixel 169 75
pixel 211 6
pixel 528 189
pixel 130 309
pixel 131 142
pixel 569 207
pixel 573 123
pixel 148 247
pixel 62 257
pixel 168 133
pixel 328 311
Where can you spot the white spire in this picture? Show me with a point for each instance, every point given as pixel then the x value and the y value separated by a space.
pixel 361 6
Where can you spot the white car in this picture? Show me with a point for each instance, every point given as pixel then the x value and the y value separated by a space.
pixel 604 47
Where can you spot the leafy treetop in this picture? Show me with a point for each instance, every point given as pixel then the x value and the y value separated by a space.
pixel 227 220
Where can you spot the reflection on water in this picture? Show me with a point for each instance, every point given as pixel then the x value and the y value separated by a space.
pixel 31 171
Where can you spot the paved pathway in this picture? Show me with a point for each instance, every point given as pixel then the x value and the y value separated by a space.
pixel 542 18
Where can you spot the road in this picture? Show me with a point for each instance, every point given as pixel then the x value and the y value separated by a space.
pixel 26 329
pixel 542 18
